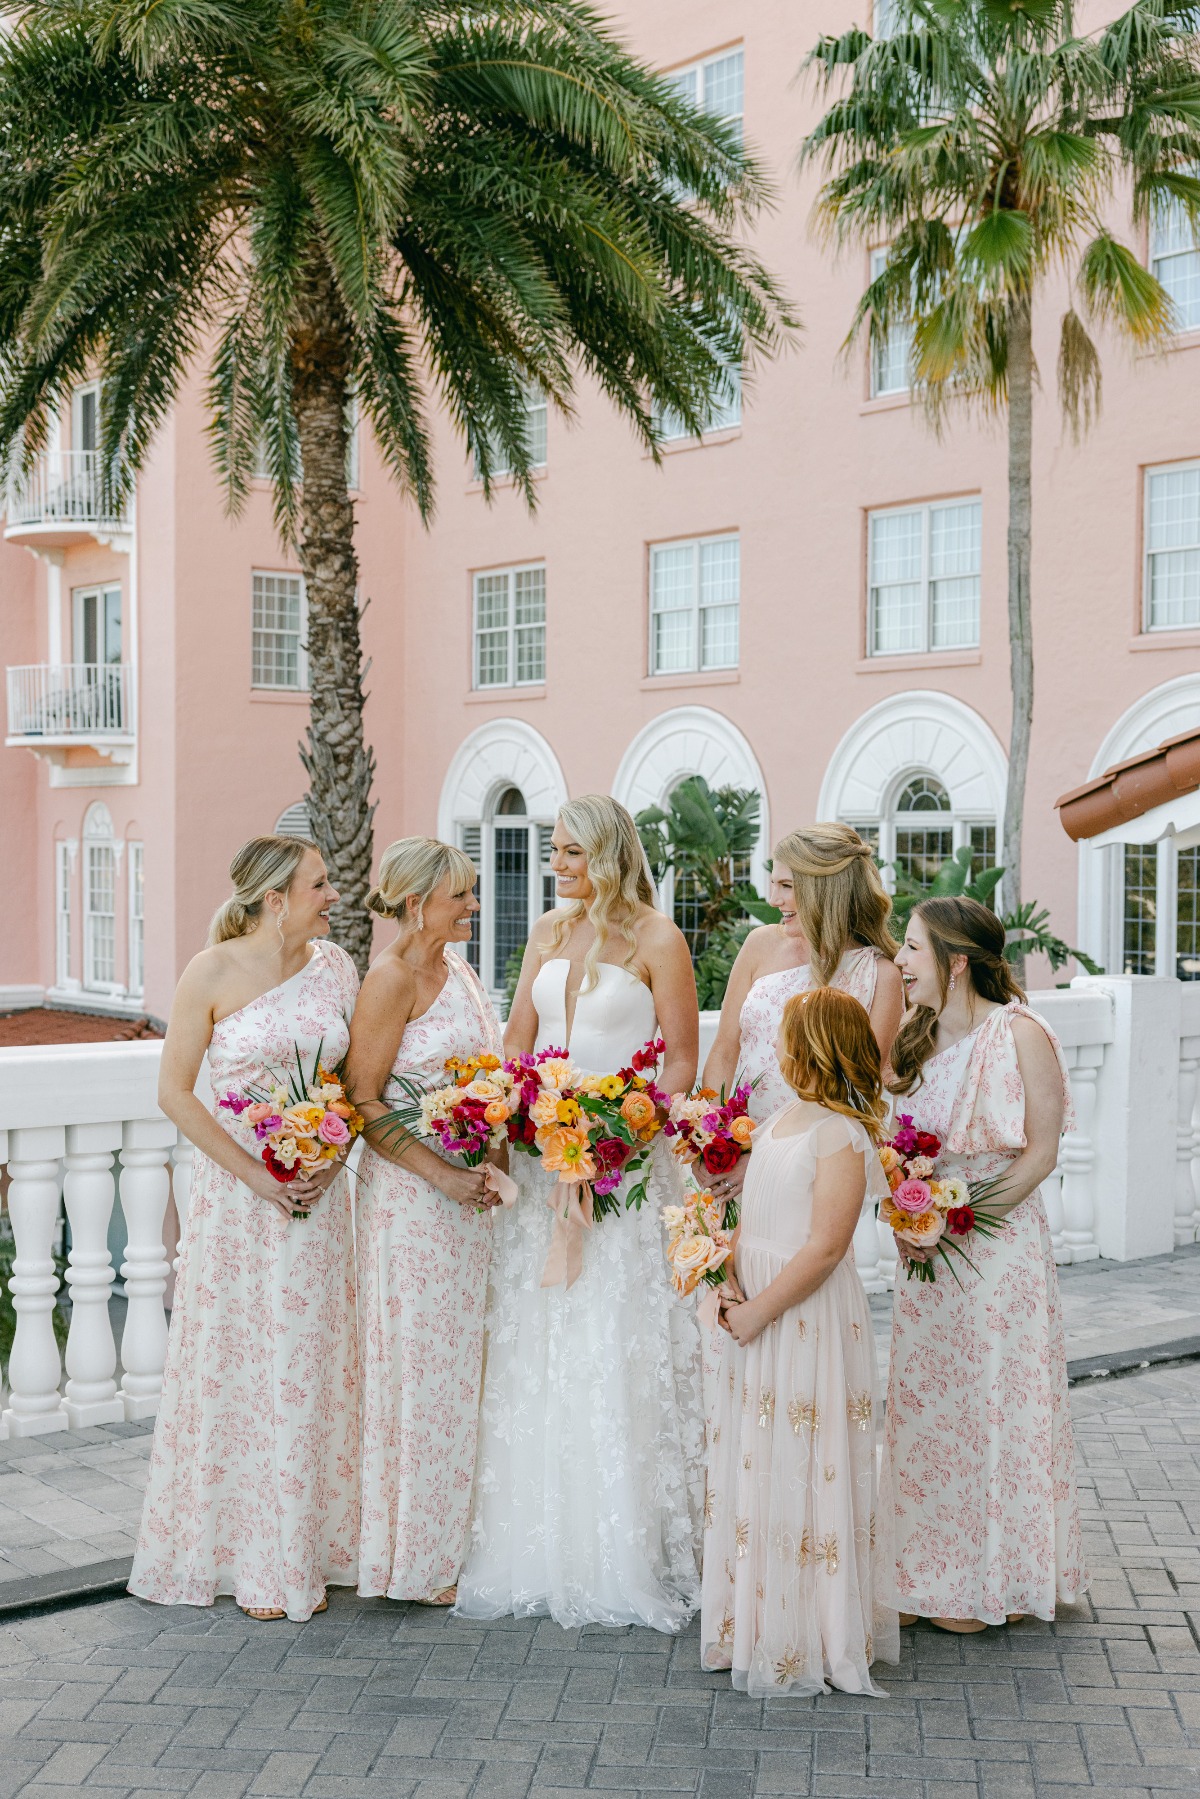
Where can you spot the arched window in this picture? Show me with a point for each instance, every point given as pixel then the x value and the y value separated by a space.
pixel 99 900
pixel 920 830
pixel 512 853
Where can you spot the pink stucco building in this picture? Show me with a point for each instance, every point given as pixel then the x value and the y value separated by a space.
pixel 810 600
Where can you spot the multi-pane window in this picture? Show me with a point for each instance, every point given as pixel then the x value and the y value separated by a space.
pixel 1172 580
pixel 921 830
pixel 512 853
pixel 1175 261
pixel 695 600
pixel 100 915
pixel 535 435
pixel 924 570
pixel 1139 922
pixel 1187 914
pixel 1160 910
pixel 725 409
pixel 62 913
pixel 277 656
pixel 510 627
pixel 137 919
pixel 890 358
pixel 716 85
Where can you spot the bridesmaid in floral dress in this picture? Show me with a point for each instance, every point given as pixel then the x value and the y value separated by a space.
pixel 833 932
pixel 424 1234
pixel 979 1464
pixel 253 1485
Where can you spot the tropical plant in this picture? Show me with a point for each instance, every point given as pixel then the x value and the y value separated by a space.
pixel 988 144
pixel 706 837
pixel 1027 926
pixel 419 203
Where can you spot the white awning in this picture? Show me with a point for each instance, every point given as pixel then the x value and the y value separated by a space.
pixel 1178 819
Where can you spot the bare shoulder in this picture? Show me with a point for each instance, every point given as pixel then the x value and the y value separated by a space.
pixel 208 972
pixel 657 935
pixel 757 945
pixel 1032 1038
pixel 389 980
pixel 542 932
pixel 887 975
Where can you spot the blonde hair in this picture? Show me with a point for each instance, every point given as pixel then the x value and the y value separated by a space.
pixel 264 865
pixel 840 899
pixel 955 926
pixel 417 866
pixel 618 872
pixel 829 1054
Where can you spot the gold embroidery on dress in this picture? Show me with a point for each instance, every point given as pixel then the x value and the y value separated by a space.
pixel 872 1530
pixel 804 1550
pixel 801 1329
pixel 766 1408
pixel 759 1592
pixel 741 1537
pixel 857 1332
pixel 788 1668
pixel 710 1500
pixel 729 1575
pixel 869 1646
pixel 717 1434
pixel 731 1380
pixel 746 1462
pixel 827 1549
pixel 745 1396
pixel 725 1634
pixel 800 1414
pixel 859 1409
pixel 830 1471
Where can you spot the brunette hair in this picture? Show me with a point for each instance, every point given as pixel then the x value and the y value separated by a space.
pixel 955 927
pixel 619 874
pixel 829 1054
pixel 417 866
pixel 264 865
pixel 841 901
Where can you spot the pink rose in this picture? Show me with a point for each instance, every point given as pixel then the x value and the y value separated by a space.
pixel 258 1111
pixel 912 1196
pixel 333 1129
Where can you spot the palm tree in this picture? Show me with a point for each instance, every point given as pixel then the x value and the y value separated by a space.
pixel 417 202
pixel 989 146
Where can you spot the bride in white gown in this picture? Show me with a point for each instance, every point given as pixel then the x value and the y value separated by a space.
pixel 589 1484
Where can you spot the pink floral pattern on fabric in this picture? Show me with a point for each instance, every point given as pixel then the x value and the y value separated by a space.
pixel 422 1284
pixel 762 1010
pixel 253 1486
pixel 979 1459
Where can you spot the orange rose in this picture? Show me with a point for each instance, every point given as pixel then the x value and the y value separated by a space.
pixel 544 1110
pixel 921 1229
pixel 496 1113
pixel 637 1111
pixel 742 1129
pixel 342 1107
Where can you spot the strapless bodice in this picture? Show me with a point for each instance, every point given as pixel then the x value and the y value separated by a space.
pixel 612 1019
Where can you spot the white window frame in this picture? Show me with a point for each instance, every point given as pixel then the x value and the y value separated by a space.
pixel 537 417
pixel 877 352
pixel 926 510
pixel 1166 910
pixel 701 68
pixel 1168 226
pixel 478 838
pixel 510 629
pixel 886 828
pixel 64 884
pixel 1167 468
pixel 99 841
pixel 135 894
pixel 726 413
pixel 86 389
pixel 695 666
pixel 300 685
pixel 99 595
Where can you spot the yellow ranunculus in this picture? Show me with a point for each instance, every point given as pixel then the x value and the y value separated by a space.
pixel 611 1086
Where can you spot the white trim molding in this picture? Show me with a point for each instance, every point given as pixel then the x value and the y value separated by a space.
pixel 914 733
pixel 1165 711
pixel 506 752
pixel 692 740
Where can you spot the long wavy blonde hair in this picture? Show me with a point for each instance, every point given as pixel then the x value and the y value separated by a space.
pixel 618 873
pixel 840 900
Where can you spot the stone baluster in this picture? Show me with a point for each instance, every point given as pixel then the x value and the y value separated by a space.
pixel 147 1144
pixel 90 1395
pixel 34 1367
pixel 1077 1160
pixel 183 1158
pixel 1186 1171
pixel 1052 1197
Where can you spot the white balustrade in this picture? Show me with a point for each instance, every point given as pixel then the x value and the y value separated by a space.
pixel 62 487
pixel 34 1369
pixel 144 1191
pixel 90 1394
pixel 85 700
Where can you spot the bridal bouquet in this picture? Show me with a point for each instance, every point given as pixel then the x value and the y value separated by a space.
pixel 591 1130
pixel 716 1129
pixel 466 1117
pixel 927 1211
pixel 300 1122
pixel 698 1247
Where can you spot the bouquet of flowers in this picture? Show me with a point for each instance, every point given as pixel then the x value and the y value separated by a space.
pixel 716 1129
pixel 698 1246
pixel 466 1117
pixel 928 1211
pixel 591 1130
pixel 300 1122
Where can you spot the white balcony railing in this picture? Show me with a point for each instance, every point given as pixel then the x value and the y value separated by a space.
pixel 62 489
pixel 83 1143
pixel 84 700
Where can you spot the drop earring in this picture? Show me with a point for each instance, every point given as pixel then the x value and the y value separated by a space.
pixel 953 982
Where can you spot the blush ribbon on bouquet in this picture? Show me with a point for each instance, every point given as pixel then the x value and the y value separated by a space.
pixel 572 1203
pixel 502 1185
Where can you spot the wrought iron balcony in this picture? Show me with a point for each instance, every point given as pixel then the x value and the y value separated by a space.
pixel 55 708
pixel 58 502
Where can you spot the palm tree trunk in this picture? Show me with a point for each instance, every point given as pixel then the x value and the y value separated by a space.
pixel 339 765
pixel 1020 624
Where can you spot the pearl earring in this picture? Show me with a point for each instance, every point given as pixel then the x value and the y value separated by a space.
pixel 953 982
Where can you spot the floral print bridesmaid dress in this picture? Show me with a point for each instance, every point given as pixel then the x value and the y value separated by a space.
pixel 979 1463
pixel 422 1284
pixel 253 1485
pixel 762 1010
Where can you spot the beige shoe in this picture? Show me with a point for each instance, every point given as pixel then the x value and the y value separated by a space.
pixel 959 1627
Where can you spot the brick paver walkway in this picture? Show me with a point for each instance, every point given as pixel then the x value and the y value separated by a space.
pixel 380 1699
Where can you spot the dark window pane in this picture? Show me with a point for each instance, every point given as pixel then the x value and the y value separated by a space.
pixel 510 890
pixel 983 848
pixel 511 803
pixel 919 854
pixel 1141 908
pixel 472 838
pixel 1187 916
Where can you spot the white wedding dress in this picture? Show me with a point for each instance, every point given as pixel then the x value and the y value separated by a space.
pixel 589 1484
